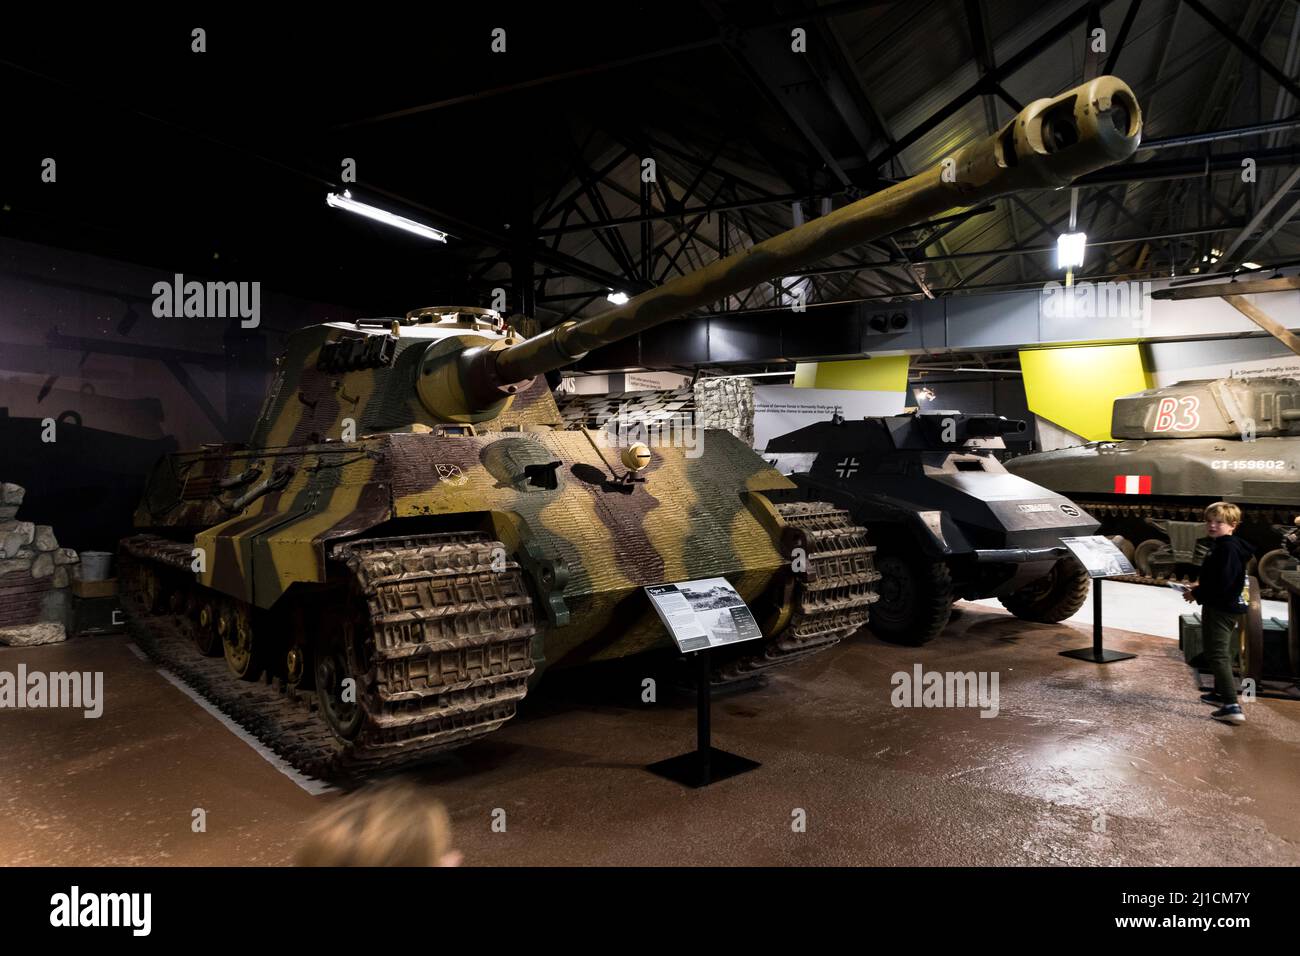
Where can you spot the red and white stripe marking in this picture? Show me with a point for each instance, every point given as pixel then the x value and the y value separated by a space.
pixel 1132 484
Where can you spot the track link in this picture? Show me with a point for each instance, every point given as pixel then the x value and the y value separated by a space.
pixel 831 598
pixel 442 639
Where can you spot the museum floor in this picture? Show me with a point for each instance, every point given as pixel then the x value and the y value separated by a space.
pixel 1083 764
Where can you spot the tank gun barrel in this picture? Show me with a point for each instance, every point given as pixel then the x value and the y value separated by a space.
pixel 1049 144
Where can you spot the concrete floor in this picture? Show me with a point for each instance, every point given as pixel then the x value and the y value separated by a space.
pixel 1143 608
pixel 1084 764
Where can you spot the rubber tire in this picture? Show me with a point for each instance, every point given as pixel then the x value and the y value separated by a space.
pixel 926 615
pixel 1051 599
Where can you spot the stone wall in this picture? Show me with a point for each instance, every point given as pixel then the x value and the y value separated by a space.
pixel 725 403
pixel 34 573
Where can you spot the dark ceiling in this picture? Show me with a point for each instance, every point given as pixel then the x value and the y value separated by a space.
pixel 217 163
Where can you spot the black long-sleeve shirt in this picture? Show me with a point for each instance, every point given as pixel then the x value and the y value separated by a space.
pixel 1223 575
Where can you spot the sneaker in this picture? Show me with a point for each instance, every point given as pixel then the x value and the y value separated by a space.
pixel 1230 715
pixel 1213 698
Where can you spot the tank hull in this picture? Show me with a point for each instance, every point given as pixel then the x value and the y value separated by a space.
pixel 1150 494
pixel 443 573
pixel 1263 472
pixel 691 518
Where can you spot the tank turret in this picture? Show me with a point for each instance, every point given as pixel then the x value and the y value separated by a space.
pixel 1232 408
pixel 411 536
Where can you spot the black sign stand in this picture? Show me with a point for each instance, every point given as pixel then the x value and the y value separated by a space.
pixel 1097 654
pixel 706 764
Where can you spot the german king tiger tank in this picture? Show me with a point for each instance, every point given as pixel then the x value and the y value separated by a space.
pixel 410 536
pixel 1175 450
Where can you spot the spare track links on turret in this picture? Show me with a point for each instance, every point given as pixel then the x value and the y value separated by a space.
pixel 831 598
pixel 448 649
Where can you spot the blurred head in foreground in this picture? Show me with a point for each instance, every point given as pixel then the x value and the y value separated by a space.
pixel 389 825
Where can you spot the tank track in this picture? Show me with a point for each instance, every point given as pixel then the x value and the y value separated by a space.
pixel 831 598
pixel 1254 514
pixel 448 644
pixel 450 639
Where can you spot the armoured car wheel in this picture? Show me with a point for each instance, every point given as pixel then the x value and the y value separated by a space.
pixel 1053 597
pixel 915 599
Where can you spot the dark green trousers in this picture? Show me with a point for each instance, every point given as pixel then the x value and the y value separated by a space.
pixel 1219 636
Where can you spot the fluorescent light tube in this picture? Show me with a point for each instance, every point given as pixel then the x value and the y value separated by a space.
pixel 345 201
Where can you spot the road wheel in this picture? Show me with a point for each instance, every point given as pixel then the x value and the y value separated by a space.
pixel 152 593
pixel 1271 566
pixel 337 688
pixel 206 637
pixel 1143 554
pixel 1053 597
pixel 235 625
pixel 915 599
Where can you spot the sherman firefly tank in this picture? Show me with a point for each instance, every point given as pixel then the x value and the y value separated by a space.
pixel 946 518
pixel 410 536
pixel 1175 450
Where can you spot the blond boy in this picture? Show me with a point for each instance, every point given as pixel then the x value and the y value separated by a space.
pixel 1219 592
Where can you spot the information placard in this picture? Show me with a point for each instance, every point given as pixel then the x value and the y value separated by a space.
pixel 704 613
pixel 1100 556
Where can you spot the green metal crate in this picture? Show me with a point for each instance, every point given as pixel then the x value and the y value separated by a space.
pixel 1275 643
pixel 1189 641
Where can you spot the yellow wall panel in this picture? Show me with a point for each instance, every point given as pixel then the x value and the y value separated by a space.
pixel 1076 387
pixel 886 373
